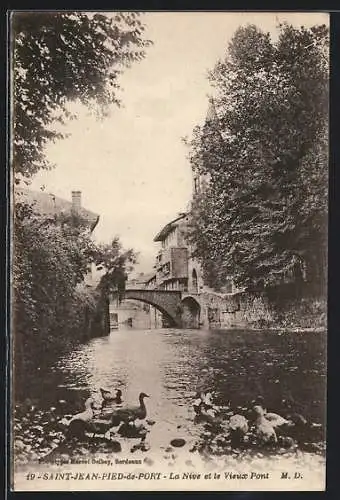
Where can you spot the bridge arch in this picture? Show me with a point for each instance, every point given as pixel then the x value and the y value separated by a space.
pixel 168 302
pixel 191 311
pixel 170 320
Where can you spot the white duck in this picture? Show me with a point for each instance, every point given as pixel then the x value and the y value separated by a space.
pixel 238 423
pixel 85 415
pixel 237 428
pixel 276 420
pixel 78 424
pixel 264 429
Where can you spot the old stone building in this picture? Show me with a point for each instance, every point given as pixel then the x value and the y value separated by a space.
pixel 175 267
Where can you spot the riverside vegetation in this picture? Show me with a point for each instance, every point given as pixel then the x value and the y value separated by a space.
pixel 60 58
pixel 262 217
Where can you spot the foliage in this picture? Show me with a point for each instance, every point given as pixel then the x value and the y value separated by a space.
pixel 264 148
pixel 117 263
pixel 48 264
pixel 60 57
pixel 52 305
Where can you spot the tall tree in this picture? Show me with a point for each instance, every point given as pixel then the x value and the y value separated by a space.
pixel 116 264
pixel 265 151
pixel 59 57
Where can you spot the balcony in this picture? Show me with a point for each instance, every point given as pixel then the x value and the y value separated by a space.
pixel 172 263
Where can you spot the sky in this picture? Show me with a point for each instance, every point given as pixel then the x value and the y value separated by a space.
pixel 132 168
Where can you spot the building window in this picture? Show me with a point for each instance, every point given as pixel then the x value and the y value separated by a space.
pixel 166 268
pixel 194 281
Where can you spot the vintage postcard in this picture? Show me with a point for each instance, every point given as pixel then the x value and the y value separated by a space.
pixel 169 182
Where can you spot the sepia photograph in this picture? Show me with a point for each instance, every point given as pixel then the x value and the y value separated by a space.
pixel 169 217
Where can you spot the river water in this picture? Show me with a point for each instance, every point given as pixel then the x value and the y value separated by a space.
pixel 171 366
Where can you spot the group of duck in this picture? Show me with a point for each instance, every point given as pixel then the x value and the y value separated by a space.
pixel 254 424
pixel 99 418
pixel 250 425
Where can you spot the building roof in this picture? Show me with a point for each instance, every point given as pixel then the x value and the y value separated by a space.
pixel 144 277
pixel 150 276
pixel 163 233
pixel 141 278
pixel 49 204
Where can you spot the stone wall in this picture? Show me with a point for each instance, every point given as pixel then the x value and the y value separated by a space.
pixel 257 310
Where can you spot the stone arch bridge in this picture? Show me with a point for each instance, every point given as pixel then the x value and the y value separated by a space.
pixel 180 308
